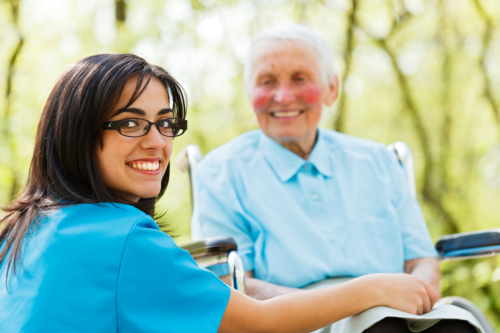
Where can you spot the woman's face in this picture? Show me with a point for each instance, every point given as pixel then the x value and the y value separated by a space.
pixel 132 168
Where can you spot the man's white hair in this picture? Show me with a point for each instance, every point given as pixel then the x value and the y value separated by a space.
pixel 295 32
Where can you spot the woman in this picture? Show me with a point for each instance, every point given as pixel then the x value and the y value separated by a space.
pixel 80 249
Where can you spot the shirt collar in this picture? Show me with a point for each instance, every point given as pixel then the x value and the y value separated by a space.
pixel 320 156
pixel 286 164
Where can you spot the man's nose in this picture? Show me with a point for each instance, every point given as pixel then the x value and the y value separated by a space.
pixel 284 94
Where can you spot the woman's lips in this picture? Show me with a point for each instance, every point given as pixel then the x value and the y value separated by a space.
pixel 146 166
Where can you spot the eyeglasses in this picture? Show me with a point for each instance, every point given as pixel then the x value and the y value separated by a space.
pixel 136 127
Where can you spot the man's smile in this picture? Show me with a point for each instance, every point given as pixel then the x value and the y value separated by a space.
pixel 286 114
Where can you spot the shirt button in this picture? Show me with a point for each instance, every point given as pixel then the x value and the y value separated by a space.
pixel 314 196
pixel 331 239
pixel 306 167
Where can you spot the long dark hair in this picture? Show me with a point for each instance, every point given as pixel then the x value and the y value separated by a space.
pixel 64 169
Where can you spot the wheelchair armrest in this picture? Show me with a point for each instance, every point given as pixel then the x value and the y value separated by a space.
pixel 469 244
pixel 210 251
pixel 469 306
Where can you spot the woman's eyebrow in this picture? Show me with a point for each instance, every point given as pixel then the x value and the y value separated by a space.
pixel 131 110
pixel 165 111
pixel 141 112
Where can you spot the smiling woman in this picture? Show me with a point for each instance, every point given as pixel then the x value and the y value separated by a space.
pixel 133 159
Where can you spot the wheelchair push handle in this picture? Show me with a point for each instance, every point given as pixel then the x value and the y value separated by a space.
pixel 219 250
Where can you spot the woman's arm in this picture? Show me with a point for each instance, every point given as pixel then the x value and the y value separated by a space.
pixel 310 310
pixel 261 290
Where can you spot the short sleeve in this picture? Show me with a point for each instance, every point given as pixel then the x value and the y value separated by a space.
pixel 162 289
pixel 219 212
pixel 417 242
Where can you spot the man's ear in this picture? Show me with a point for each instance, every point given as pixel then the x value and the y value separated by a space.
pixel 332 91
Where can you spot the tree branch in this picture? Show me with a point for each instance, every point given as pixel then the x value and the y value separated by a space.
pixel 339 124
pixel 8 92
pixel 488 33
pixel 120 11
pixel 428 193
pixel 446 125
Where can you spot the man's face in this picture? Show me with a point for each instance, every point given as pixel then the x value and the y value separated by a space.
pixel 287 92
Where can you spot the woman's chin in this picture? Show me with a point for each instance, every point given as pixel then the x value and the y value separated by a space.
pixel 148 194
pixel 140 193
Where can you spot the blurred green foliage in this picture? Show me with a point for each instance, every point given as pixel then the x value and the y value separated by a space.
pixel 423 72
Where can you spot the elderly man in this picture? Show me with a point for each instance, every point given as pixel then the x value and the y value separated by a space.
pixel 303 203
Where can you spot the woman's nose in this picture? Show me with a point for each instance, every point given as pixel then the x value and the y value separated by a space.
pixel 153 140
pixel 284 94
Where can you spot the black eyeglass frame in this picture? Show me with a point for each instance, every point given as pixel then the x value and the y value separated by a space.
pixel 115 125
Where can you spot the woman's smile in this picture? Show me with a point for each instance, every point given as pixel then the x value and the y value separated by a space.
pixel 149 166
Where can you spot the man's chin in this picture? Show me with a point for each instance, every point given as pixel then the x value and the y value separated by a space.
pixel 285 135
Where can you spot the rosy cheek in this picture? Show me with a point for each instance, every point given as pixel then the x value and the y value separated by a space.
pixel 260 98
pixel 311 94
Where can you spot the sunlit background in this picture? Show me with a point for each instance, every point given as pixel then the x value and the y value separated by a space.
pixel 423 72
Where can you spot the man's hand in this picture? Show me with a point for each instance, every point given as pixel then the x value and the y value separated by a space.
pixel 259 289
pixel 426 269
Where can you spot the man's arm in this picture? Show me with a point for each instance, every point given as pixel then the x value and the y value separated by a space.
pixel 259 289
pixel 426 269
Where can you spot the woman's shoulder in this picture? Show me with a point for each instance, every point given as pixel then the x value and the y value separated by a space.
pixel 102 211
pixel 112 219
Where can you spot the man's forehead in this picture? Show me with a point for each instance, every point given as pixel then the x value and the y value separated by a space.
pixel 279 47
pixel 291 54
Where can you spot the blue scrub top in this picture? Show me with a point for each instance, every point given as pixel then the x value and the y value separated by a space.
pixel 346 211
pixel 108 268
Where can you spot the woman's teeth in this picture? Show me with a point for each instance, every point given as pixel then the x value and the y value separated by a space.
pixel 149 166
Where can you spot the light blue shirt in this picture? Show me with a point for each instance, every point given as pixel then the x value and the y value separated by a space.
pixel 107 268
pixel 346 211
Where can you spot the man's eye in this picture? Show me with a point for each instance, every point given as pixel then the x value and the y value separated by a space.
pixel 266 81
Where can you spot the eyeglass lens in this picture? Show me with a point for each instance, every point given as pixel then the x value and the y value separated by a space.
pixel 139 127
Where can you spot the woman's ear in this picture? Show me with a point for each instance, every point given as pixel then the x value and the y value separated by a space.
pixel 332 91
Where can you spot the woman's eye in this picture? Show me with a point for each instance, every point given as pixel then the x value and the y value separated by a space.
pixel 164 123
pixel 130 124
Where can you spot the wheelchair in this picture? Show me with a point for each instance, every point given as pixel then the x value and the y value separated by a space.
pixel 461 246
